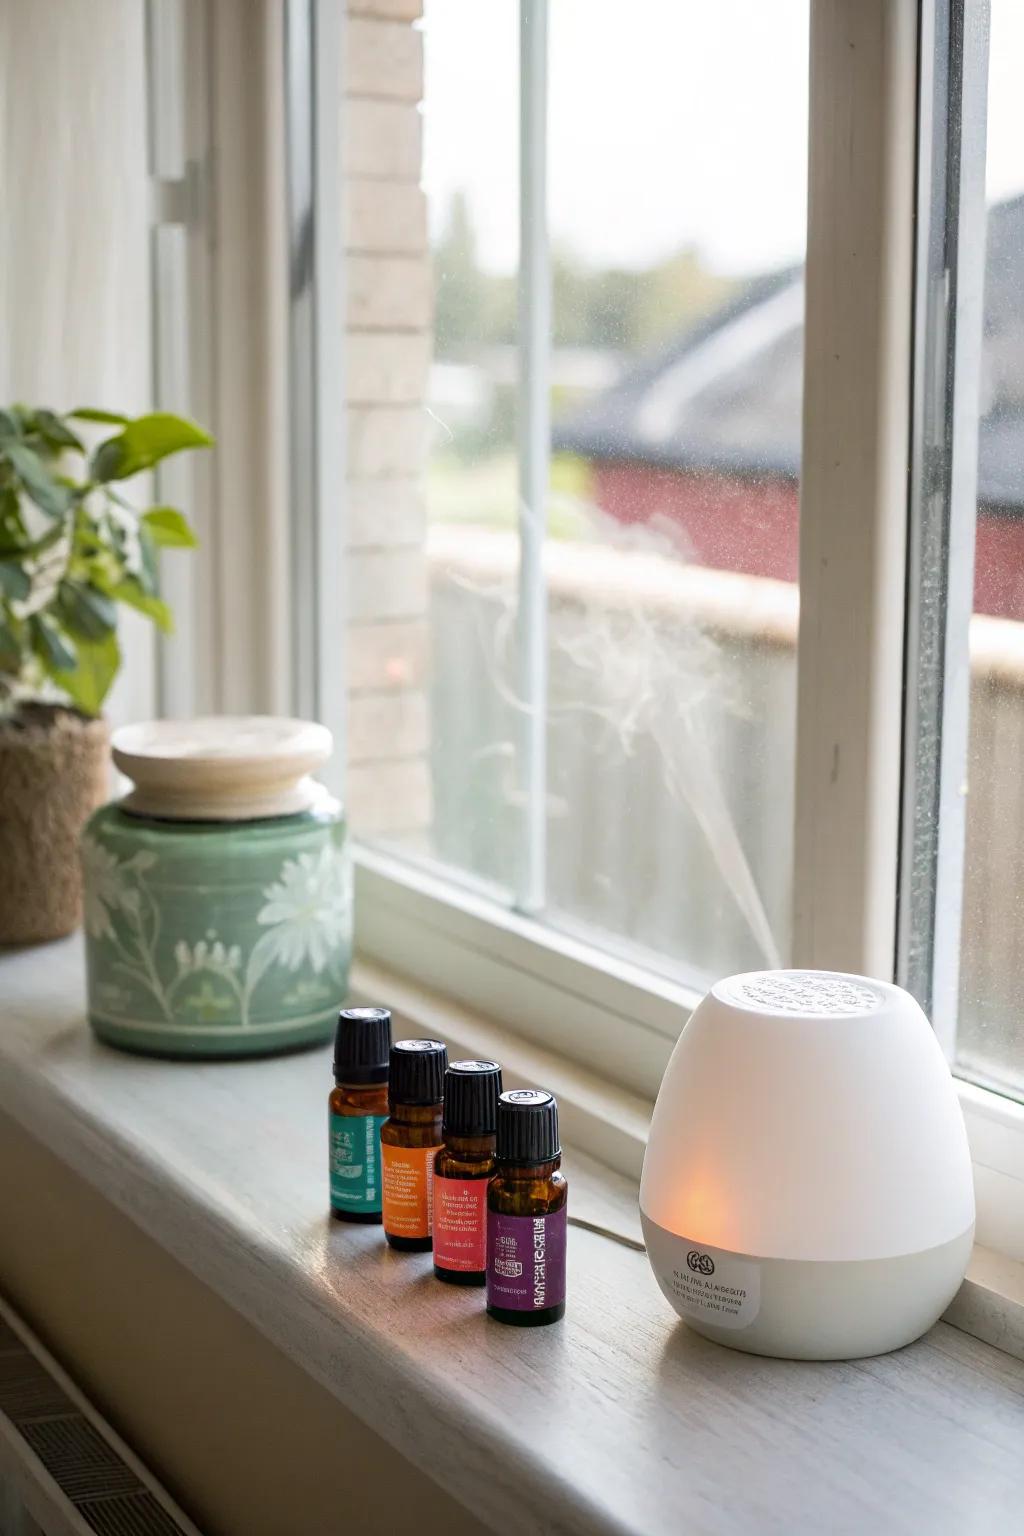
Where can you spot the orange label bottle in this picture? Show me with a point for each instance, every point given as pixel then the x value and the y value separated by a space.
pixel 410 1139
pixel 407 1187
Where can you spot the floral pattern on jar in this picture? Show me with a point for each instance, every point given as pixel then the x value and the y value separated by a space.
pixel 212 938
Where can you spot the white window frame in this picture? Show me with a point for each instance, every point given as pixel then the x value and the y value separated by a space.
pixel 860 250
pixel 220 273
pixel 617 1019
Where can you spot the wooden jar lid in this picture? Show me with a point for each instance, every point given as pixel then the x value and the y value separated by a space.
pixel 222 767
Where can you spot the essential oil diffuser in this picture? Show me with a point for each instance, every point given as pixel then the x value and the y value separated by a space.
pixel 807 1188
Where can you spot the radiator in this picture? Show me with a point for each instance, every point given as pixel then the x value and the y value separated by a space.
pixel 63 1470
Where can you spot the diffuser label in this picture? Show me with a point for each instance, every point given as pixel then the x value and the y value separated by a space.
pixel 408 1190
pixel 716 1287
pixel 526 1261
pixel 355 1162
pixel 460 1224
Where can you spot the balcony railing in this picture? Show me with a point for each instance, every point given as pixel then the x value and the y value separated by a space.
pixel 671 732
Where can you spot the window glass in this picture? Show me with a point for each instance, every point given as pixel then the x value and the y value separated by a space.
pixel 471 177
pixel 677 151
pixel 678 214
pixel 990 1033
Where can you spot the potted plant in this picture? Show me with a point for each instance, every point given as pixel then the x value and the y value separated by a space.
pixel 71 549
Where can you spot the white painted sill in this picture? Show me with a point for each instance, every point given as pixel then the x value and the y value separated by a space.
pixel 617 1421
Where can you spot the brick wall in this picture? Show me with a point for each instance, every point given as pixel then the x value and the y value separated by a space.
pixel 388 356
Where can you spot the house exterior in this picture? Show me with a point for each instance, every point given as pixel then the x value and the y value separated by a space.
pixel 702 440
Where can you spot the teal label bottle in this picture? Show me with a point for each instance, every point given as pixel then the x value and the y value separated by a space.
pixel 355 1162
pixel 356 1110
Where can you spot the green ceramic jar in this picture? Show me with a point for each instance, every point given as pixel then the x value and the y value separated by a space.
pixel 209 933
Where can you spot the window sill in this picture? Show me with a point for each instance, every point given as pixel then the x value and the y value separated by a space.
pixel 617 1421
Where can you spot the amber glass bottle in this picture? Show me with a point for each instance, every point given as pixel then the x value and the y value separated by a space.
pixel 462 1169
pixel 526 1213
pixel 357 1109
pixel 410 1138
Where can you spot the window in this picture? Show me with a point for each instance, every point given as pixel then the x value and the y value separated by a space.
pixel 622 362
pixel 965 925
pixel 612 482
pixel 990 1039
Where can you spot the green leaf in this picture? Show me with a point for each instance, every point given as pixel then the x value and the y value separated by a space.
pixel 19 549
pixel 41 545
pixel 12 528
pixel 135 595
pixel 51 646
pixel 98 664
pixel 88 537
pixel 56 432
pixel 169 528
pixel 87 613
pixel 87 679
pixel 10 648
pixel 150 572
pixel 25 418
pixel 143 443
pixel 14 582
pixel 8 426
pixel 108 460
pixel 47 493
pixel 108 418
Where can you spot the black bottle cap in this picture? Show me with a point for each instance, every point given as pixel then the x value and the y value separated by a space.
pixel 527 1126
pixel 361 1045
pixel 471 1091
pixel 417 1072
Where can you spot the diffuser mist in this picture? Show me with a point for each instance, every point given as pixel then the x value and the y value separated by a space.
pixel 807 1188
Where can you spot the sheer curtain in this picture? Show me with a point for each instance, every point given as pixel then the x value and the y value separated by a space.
pixel 74 253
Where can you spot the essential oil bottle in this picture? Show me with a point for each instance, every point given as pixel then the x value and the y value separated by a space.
pixel 410 1139
pixel 357 1109
pixel 462 1169
pixel 526 1213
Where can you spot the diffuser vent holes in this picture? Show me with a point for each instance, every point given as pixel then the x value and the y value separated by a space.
pixel 804 992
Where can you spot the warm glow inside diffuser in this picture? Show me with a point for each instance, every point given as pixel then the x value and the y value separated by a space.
pixel 807 1146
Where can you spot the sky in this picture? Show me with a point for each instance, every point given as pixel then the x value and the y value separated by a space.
pixel 671 123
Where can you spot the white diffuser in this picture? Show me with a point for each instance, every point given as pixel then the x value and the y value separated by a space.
pixel 807 1188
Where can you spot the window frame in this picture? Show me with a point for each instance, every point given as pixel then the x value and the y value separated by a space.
pixel 552 988
pixel 860 245
pixel 949 320
pixel 314 62
pixel 216 115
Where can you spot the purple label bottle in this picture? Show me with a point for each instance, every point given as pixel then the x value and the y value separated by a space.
pixel 526 1213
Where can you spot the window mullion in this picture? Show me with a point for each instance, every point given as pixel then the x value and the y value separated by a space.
pixel 313 41
pixel 965 412
pixel 329 374
pixel 178 156
pixel 944 502
pixel 928 526
pixel 854 481
pixel 534 451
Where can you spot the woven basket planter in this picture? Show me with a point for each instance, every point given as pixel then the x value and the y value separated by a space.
pixel 53 775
